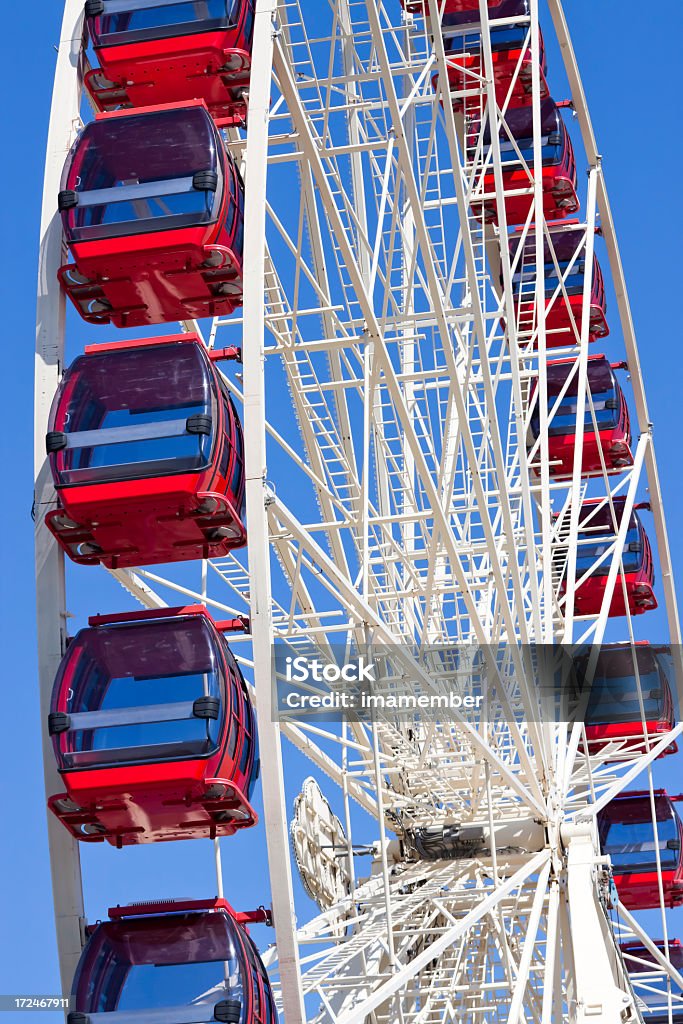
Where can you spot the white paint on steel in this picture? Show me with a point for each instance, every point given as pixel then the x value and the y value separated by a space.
pixel 430 521
pixel 272 781
pixel 51 616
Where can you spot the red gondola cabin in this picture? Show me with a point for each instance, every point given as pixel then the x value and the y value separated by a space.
pixel 152 208
pixel 153 730
pixel 169 51
pixel 563 292
pixel 627 834
pixel 597 533
pixel 558 170
pixel 650 981
pixel 146 452
pixel 190 961
pixel 613 712
pixel 612 439
pixel 511 54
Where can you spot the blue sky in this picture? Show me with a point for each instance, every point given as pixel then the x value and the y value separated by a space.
pixel 632 96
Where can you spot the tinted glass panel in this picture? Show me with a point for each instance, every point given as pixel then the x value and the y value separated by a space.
pixel 604 517
pixel 504 9
pixel 519 121
pixel 179 961
pixel 614 689
pixel 564 420
pixel 631 845
pixel 134 174
pixel 130 690
pixel 246 752
pixel 598 532
pixel 237 205
pixel 255 769
pixel 132 21
pixel 592 546
pixel 605 397
pixel 501 39
pixel 572 282
pixel 616 700
pixel 125 415
pixel 237 476
pixel 520 127
pixel 550 153
pixel 565 242
pixel 524 283
pixel 600 377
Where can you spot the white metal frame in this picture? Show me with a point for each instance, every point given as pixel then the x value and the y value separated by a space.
pixel 373 293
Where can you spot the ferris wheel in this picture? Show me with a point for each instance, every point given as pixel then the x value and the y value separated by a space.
pixel 372 223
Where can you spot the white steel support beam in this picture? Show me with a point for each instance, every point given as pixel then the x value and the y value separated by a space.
pixel 275 811
pixel 139 590
pixel 516 1014
pixel 442 523
pixel 67 889
pixel 550 989
pixel 382 635
pixel 602 994
pixel 545 507
pixel 479 322
pixel 510 315
pixel 324 762
pixel 434 950
pixel 413 197
pixel 516 626
pixel 374 332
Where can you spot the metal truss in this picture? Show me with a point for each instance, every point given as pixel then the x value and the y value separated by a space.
pixel 394 497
